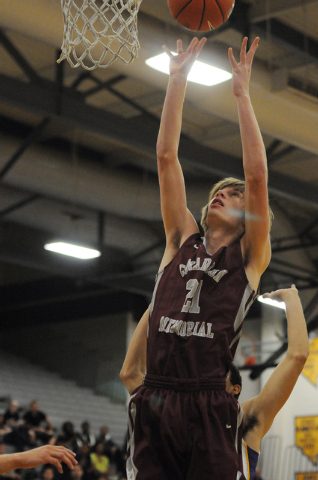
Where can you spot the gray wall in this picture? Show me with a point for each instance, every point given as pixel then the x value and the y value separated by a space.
pixel 89 351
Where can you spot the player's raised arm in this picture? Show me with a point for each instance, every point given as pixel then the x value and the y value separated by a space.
pixel 177 219
pixel 279 386
pixel 134 366
pixel 257 223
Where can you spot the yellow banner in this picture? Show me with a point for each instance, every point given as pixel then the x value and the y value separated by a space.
pixel 307 476
pixel 310 369
pixel 306 429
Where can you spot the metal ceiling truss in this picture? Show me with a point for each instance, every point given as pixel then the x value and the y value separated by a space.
pixel 31 139
pixel 259 19
pixel 140 133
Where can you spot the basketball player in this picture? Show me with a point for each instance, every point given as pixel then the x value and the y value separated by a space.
pixel 184 422
pixel 38 456
pixel 260 411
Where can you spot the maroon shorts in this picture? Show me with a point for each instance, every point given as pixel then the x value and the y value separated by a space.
pixel 182 430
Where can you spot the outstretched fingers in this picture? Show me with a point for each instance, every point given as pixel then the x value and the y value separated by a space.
pixel 245 57
pixel 243 50
pixel 274 294
pixel 233 62
pixel 179 47
pixel 279 294
pixel 196 45
pixel 166 49
pixel 189 55
pixel 62 454
pixel 252 50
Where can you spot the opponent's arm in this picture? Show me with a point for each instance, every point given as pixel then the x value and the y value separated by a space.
pixel 282 381
pixel 178 221
pixel 134 367
pixel 38 456
pixel 257 223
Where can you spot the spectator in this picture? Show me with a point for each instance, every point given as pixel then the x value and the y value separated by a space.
pixel 68 437
pixel 77 473
pixel 4 429
pixel 99 461
pixel 86 436
pixel 34 420
pixel 105 438
pixel 84 460
pixel 12 416
pixel 48 473
pixel 112 451
pixel 17 432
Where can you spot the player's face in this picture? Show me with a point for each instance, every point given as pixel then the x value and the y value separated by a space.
pixel 228 203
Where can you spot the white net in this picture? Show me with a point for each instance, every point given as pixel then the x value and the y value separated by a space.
pixel 97 32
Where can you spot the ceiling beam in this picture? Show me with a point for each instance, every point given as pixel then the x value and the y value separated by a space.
pixel 18 57
pixel 18 205
pixel 296 42
pixel 31 139
pixel 248 19
pixel 281 245
pixel 137 134
pixel 30 253
pixel 264 10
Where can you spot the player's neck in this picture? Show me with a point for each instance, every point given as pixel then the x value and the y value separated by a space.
pixel 215 239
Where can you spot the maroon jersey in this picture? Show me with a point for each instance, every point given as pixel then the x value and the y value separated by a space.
pixel 197 311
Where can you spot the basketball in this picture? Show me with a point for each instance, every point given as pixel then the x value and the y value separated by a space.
pixel 201 15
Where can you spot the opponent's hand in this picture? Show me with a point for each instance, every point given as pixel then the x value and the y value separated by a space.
pixel 242 70
pixel 282 294
pixel 181 63
pixel 48 454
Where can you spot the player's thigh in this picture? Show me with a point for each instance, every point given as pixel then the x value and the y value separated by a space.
pixel 155 448
pixel 213 428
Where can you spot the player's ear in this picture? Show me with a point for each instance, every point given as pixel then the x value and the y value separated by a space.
pixel 236 389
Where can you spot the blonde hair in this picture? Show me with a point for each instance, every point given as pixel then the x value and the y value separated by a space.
pixel 226 182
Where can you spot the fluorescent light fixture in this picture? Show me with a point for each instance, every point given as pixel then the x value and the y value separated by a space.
pixel 273 303
pixel 72 250
pixel 200 72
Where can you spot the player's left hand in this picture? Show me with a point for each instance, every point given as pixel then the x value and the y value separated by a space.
pixel 242 70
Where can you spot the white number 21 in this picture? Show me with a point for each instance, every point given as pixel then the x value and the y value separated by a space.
pixel 191 303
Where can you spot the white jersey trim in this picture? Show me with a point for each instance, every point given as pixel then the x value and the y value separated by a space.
pixel 130 466
pixel 244 307
pixel 155 291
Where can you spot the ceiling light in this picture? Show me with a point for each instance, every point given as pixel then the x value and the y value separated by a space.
pixel 273 303
pixel 72 250
pixel 200 72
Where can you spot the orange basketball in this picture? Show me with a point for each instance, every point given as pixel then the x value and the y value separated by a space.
pixel 203 15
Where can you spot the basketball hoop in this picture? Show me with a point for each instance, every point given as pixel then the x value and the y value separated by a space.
pixel 97 32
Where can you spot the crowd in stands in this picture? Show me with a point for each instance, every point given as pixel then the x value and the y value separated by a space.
pixel 99 457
